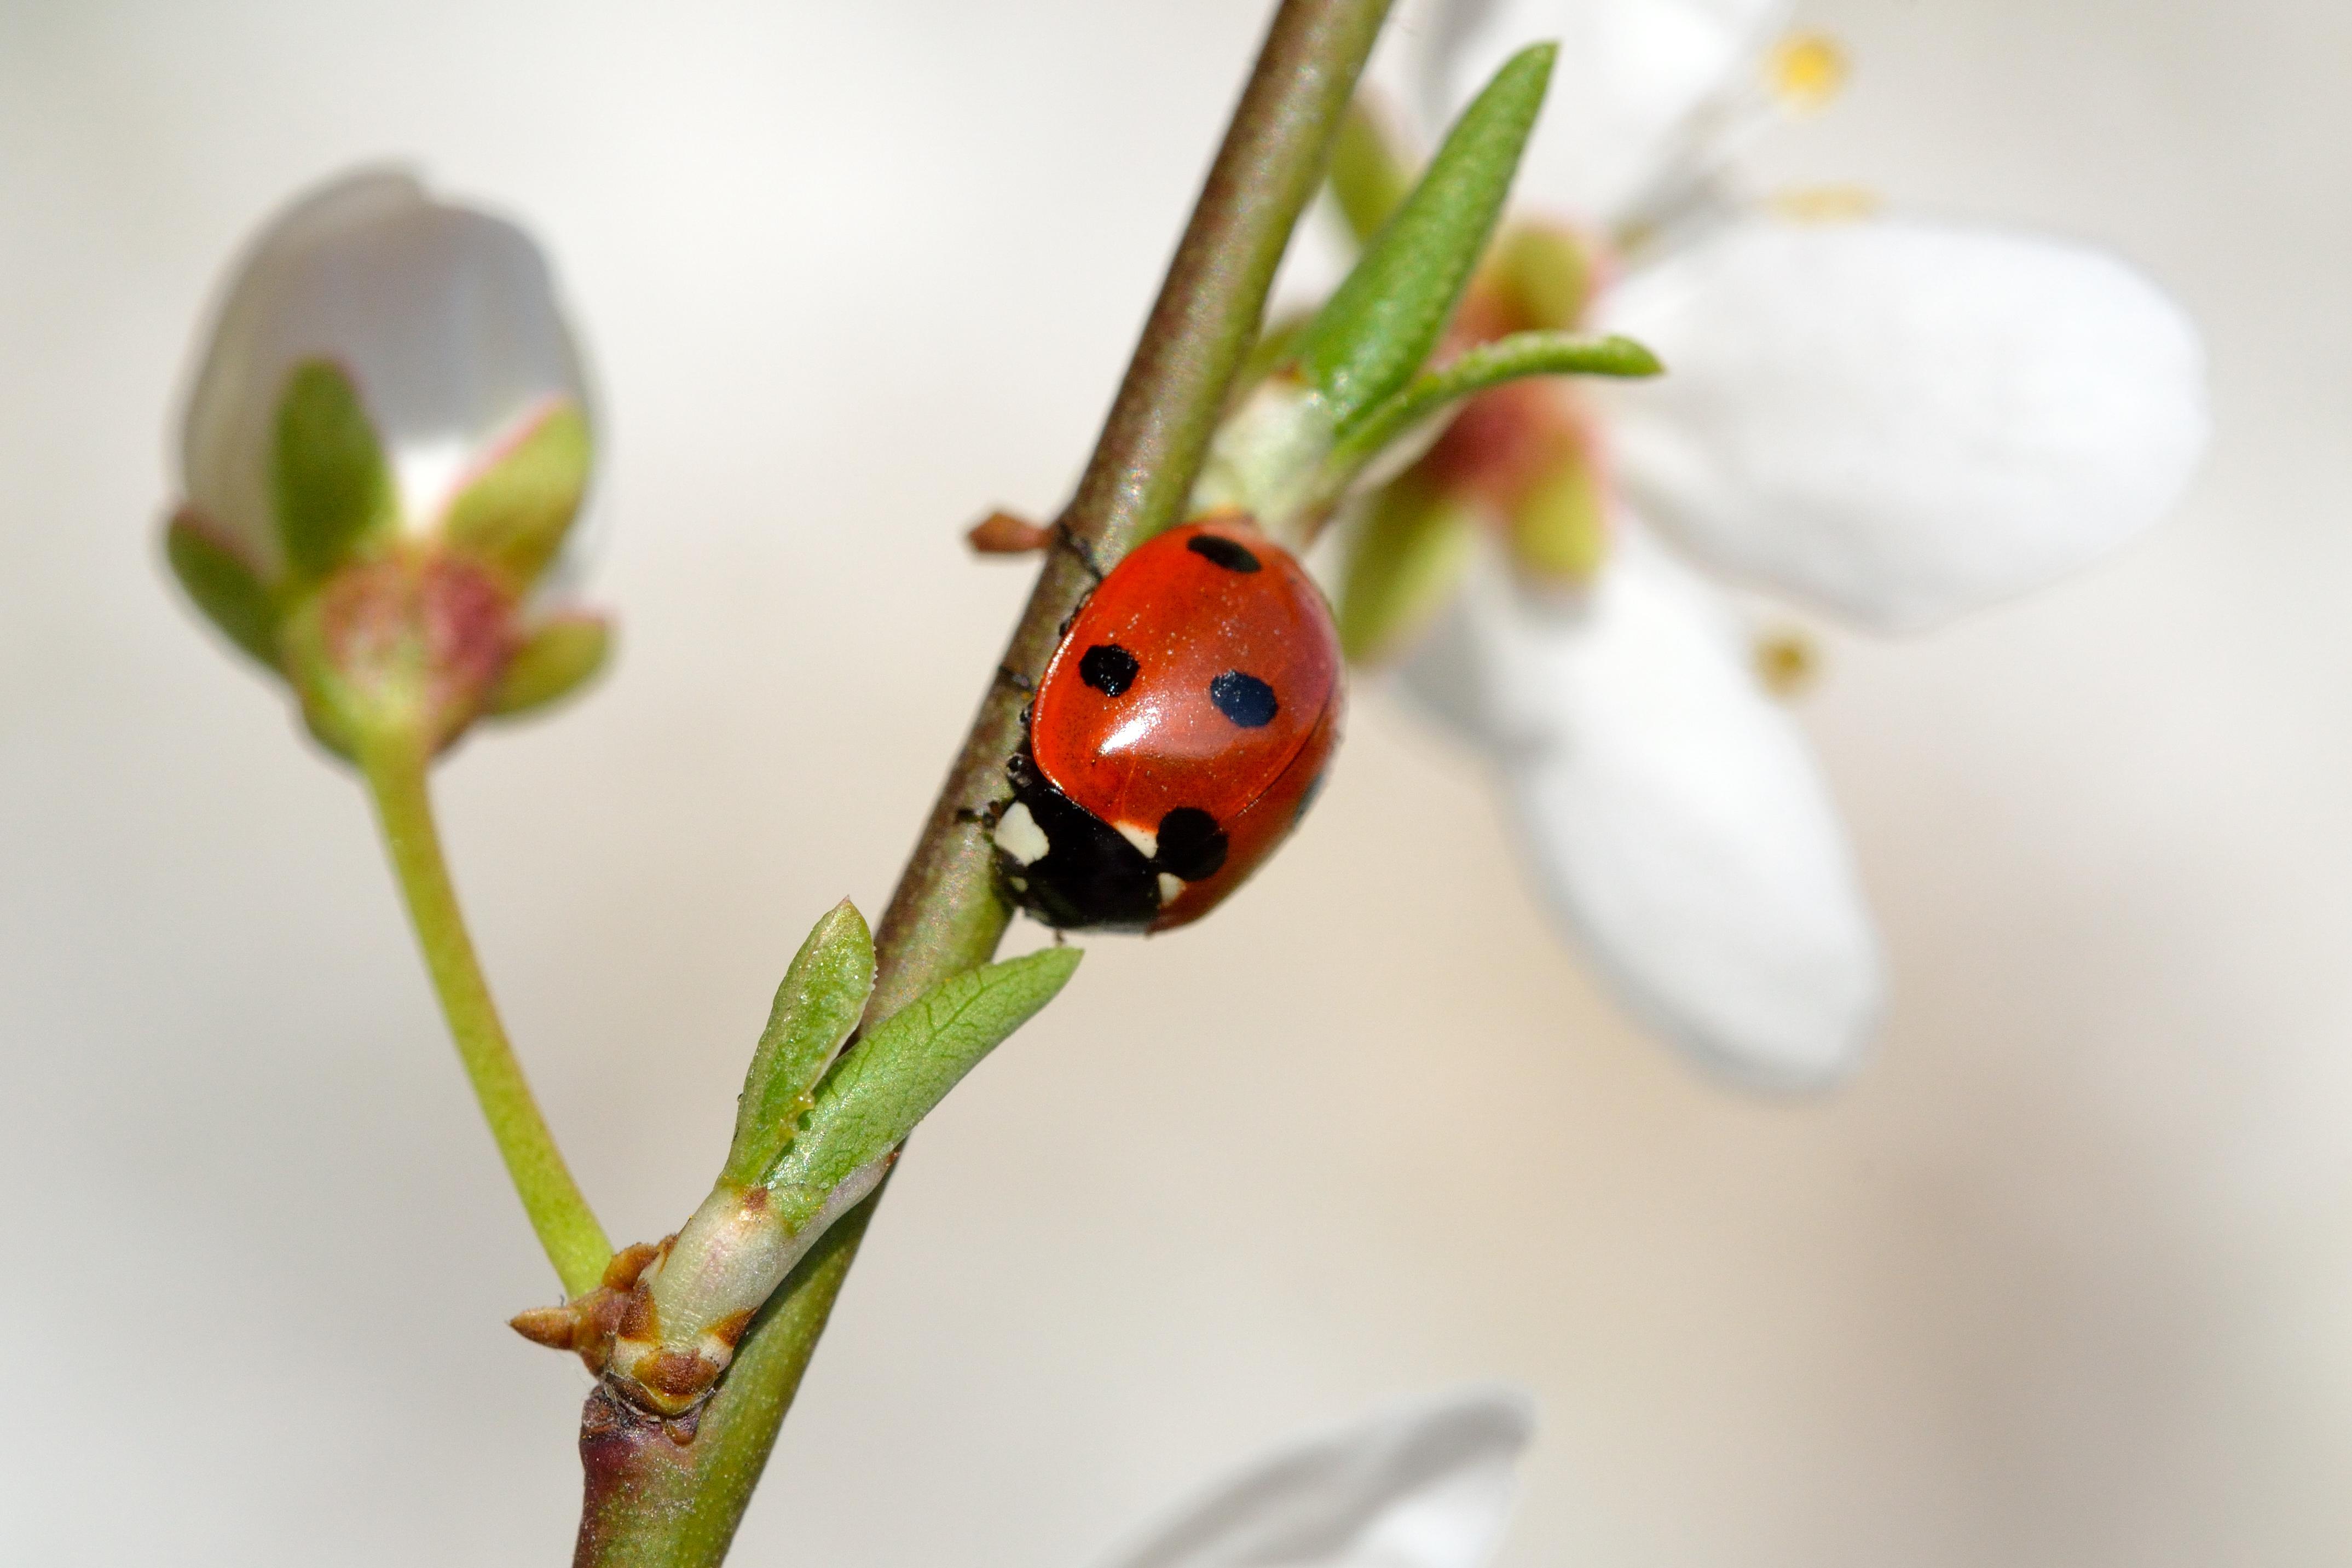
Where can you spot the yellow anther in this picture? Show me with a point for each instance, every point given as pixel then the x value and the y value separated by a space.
pixel 1827 204
pixel 1807 70
pixel 1788 661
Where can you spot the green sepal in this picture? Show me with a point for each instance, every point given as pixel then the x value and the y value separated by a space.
pixel 224 585
pixel 816 1009
pixel 330 486
pixel 904 1067
pixel 1369 180
pixel 558 656
pixel 1376 332
pixel 1404 561
pixel 1490 365
pixel 1559 529
pixel 514 514
pixel 1545 275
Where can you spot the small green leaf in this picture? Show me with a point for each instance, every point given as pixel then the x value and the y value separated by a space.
pixel 560 655
pixel 1402 563
pixel 327 477
pixel 1490 365
pixel 224 586
pixel 514 515
pixel 816 1008
pixel 1375 333
pixel 905 1066
pixel 1369 180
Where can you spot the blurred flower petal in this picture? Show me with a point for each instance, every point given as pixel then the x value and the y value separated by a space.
pixel 1899 421
pixel 445 317
pixel 1425 1486
pixel 1672 814
pixel 1633 76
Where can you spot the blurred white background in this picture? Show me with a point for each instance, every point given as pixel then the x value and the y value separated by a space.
pixel 2065 1277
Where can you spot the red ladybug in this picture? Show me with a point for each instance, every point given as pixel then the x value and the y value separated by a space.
pixel 1180 733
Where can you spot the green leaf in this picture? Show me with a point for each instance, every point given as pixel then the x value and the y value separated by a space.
pixel 514 515
pixel 1490 365
pixel 560 655
pixel 1402 562
pixel 905 1066
pixel 1368 179
pixel 1375 333
pixel 328 478
pixel 224 586
pixel 816 1008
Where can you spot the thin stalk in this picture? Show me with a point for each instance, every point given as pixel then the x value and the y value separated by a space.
pixel 567 1229
pixel 652 1501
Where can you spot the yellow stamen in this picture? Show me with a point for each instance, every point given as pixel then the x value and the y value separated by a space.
pixel 1806 70
pixel 1788 661
pixel 1827 204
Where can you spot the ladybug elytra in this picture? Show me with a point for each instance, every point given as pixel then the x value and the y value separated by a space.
pixel 1180 732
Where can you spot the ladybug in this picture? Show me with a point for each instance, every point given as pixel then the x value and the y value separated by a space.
pixel 1180 730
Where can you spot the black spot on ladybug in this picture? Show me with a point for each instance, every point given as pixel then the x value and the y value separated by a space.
pixel 1191 845
pixel 1246 700
pixel 1223 552
pixel 1108 668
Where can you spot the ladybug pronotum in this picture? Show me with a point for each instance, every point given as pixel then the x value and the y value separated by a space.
pixel 1180 732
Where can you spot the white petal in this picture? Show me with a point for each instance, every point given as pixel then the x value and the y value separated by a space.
pixel 1899 421
pixel 1479 669
pixel 1423 1486
pixel 1673 815
pixel 1632 77
pixel 445 317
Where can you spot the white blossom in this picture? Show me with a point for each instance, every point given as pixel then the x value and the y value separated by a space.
pixel 1887 420
pixel 1424 1485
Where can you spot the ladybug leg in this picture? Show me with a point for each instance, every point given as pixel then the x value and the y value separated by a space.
pixel 1078 548
pixel 986 816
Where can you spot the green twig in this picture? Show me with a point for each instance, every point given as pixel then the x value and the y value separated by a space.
pixel 651 1502
pixel 567 1229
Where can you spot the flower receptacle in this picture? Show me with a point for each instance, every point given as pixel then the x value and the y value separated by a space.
pixel 406 649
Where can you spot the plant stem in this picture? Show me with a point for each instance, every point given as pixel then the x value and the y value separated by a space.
pixel 396 772
pixel 652 1504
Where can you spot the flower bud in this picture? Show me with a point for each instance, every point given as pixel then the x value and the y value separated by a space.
pixel 385 446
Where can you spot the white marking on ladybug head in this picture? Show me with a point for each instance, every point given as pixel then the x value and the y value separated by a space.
pixel 1019 836
pixel 1143 839
pixel 1169 887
